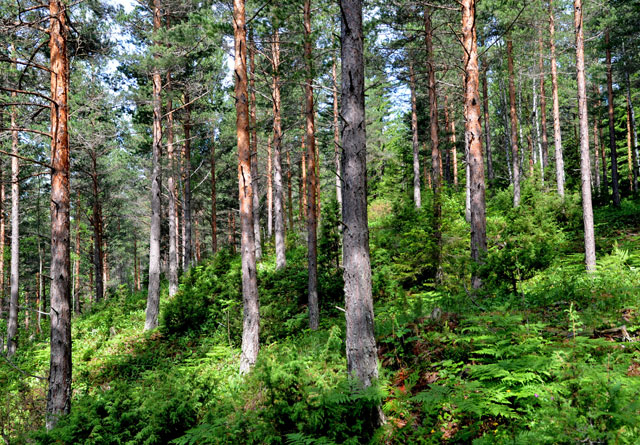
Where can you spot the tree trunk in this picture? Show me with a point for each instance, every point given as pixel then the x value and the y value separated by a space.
pixel 254 148
pixel 543 107
pixel 12 324
pixel 631 172
pixel 612 126
pixel 362 363
pixel 436 160
pixel 536 123
pixel 312 239
pixel 454 150
pixel 557 132
pixel 473 134
pixel 187 241
pixel 269 189
pixel 173 196
pixel 136 271
pixel 76 268
pixel 585 164
pixel 96 222
pixel 59 394
pixel 487 121
pixel 596 157
pixel 231 225
pixel 214 216
pixel 514 127
pixel 336 130
pixel 281 260
pixel 303 174
pixel 251 315
pixel 414 133
pixel 197 239
pixel 447 152
pixel 602 154
pixel 634 139
pixel 2 240
pixel 289 190
pixel 153 297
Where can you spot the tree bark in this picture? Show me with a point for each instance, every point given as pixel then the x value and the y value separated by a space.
pixel 336 130
pixel 543 107
pixel 251 312
pixel 12 323
pixel 417 200
pixel 453 140
pixel 602 153
pixel 612 126
pixel 303 173
pixel 596 157
pixel 254 148
pixel 473 134
pixel 487 122
pixel 312 184
pixel 362 363
pixel 196 231
pixel 514 127
pixel 269 189
pixel 585 164
pixel 214 216
pixel 2 240
pixel 136 271
pixel 436 160
pixel 187 240
pixel 59 394
pixel 281 260
pixel 289 190
pixel 96 222
pixel 76 267
pixel 634 139
pixel 557 132
pixel 173 196
pixel 153 297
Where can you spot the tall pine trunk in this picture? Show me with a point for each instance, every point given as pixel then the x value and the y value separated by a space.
pixel 187 241
pixel 251 311
pixel 254 148
pixel 278 211
pixel 612 126
pixel 557 132
pixel 12 323
pixel 336 130
pixel 634 138
pixel 487 122
pixel 473 134
pixel 214 216
pixel 59 394
pixel 543 107
pixel 312 240
pixel 414 138
pixel 585 164
pixel 153 296
pixel 436 160
pixel 269 189
pixel 96 222
pixel 173 196
pixel 514 127
pixel 2 238
pixel 362 362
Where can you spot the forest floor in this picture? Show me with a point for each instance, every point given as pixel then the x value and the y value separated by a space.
pixel 556 361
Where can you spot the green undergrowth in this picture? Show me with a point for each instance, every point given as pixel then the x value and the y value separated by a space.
pixel 536 356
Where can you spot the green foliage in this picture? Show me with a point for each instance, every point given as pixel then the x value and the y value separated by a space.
pixel 526 239
pixel 402 249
